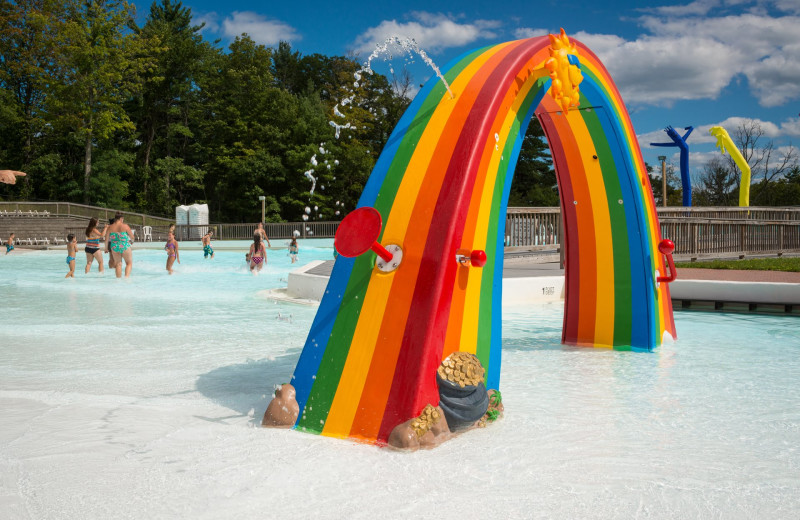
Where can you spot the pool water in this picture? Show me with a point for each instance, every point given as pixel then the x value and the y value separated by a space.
pixel 142 397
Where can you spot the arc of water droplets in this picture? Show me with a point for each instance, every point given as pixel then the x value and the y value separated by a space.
pixel 407 45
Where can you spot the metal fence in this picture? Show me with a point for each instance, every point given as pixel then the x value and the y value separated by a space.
pixel 695 231
pixel 731 213
pixel 532 228
pixel 275 231
pixel 697 237
pixel 70 209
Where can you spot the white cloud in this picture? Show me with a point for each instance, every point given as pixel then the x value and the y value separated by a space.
pixel 431 31
pixel 693 52
pixel 766 48
pixel 662 70
pixel 528 32
pixel 260 28
pixel 210 21
pixel 696 8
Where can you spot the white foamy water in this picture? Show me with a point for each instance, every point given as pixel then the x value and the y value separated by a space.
pixel 143 399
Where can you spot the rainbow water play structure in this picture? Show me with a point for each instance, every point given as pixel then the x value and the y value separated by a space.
pixel 435 207
pixel 725 143
pixel 680 142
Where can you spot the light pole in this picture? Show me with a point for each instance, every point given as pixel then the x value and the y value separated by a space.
pixel 663 159
pixel 262 199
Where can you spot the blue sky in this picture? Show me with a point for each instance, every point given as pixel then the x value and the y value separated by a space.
pixel 678 63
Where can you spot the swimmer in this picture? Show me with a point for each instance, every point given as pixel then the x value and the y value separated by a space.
pixel 293 249
pixel 258 254
pixel 10 243
pixel 120 240
pixel 207 250
pixel 247 258
pixel 72 253
pixel 172 252
pixel 260 231
pixel 111 262
pixel 92 249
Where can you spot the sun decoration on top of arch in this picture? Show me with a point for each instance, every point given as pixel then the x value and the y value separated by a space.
pixel 564 68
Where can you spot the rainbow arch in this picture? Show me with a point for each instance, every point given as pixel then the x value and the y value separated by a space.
pixel 442 184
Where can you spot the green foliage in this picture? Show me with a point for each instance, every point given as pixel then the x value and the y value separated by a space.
pixel 97 109
pixel 534 178
pixel 492 415
pixel 107 186
pixel 496 398
pixel 751 264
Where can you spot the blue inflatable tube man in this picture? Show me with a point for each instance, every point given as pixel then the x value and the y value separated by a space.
pixel 680 142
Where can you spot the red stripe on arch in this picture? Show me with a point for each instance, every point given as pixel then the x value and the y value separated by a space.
pixel 414 383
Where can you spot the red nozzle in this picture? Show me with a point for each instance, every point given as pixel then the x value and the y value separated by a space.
pixel 478 258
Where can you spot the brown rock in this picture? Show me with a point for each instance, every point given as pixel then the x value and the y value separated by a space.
pixel 409 436
pixel 283 410
pixel 403 437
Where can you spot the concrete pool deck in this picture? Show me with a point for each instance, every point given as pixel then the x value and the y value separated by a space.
pixel 538 278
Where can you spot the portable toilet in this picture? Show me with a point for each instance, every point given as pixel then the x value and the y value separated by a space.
pixel 181 220
pixel 198 216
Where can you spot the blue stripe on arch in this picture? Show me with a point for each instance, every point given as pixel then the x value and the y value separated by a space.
pixel 495 350
pixel 642 292
pixel 317 341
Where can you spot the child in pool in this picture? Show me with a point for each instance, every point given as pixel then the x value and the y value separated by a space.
pixel 293 249
pixel 172 252
pixel 72 253
pixel 207 250
pixel 10 243
pixel 111 263
pixel 247 258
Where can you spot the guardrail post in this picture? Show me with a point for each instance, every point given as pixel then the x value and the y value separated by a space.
pixel 741 240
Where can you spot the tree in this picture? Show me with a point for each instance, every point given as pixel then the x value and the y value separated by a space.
pixel 28 31
pixel 717 186
pixel 766 163
pixel 674 191
pixel 100 68
pixel 534 178
pixel 163 109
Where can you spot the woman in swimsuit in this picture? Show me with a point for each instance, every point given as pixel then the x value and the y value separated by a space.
pixel 120 240
pixel 92 249
pixel 172 252
pixel 258 254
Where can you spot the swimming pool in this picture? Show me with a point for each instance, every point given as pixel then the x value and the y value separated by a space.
pixel 142 397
